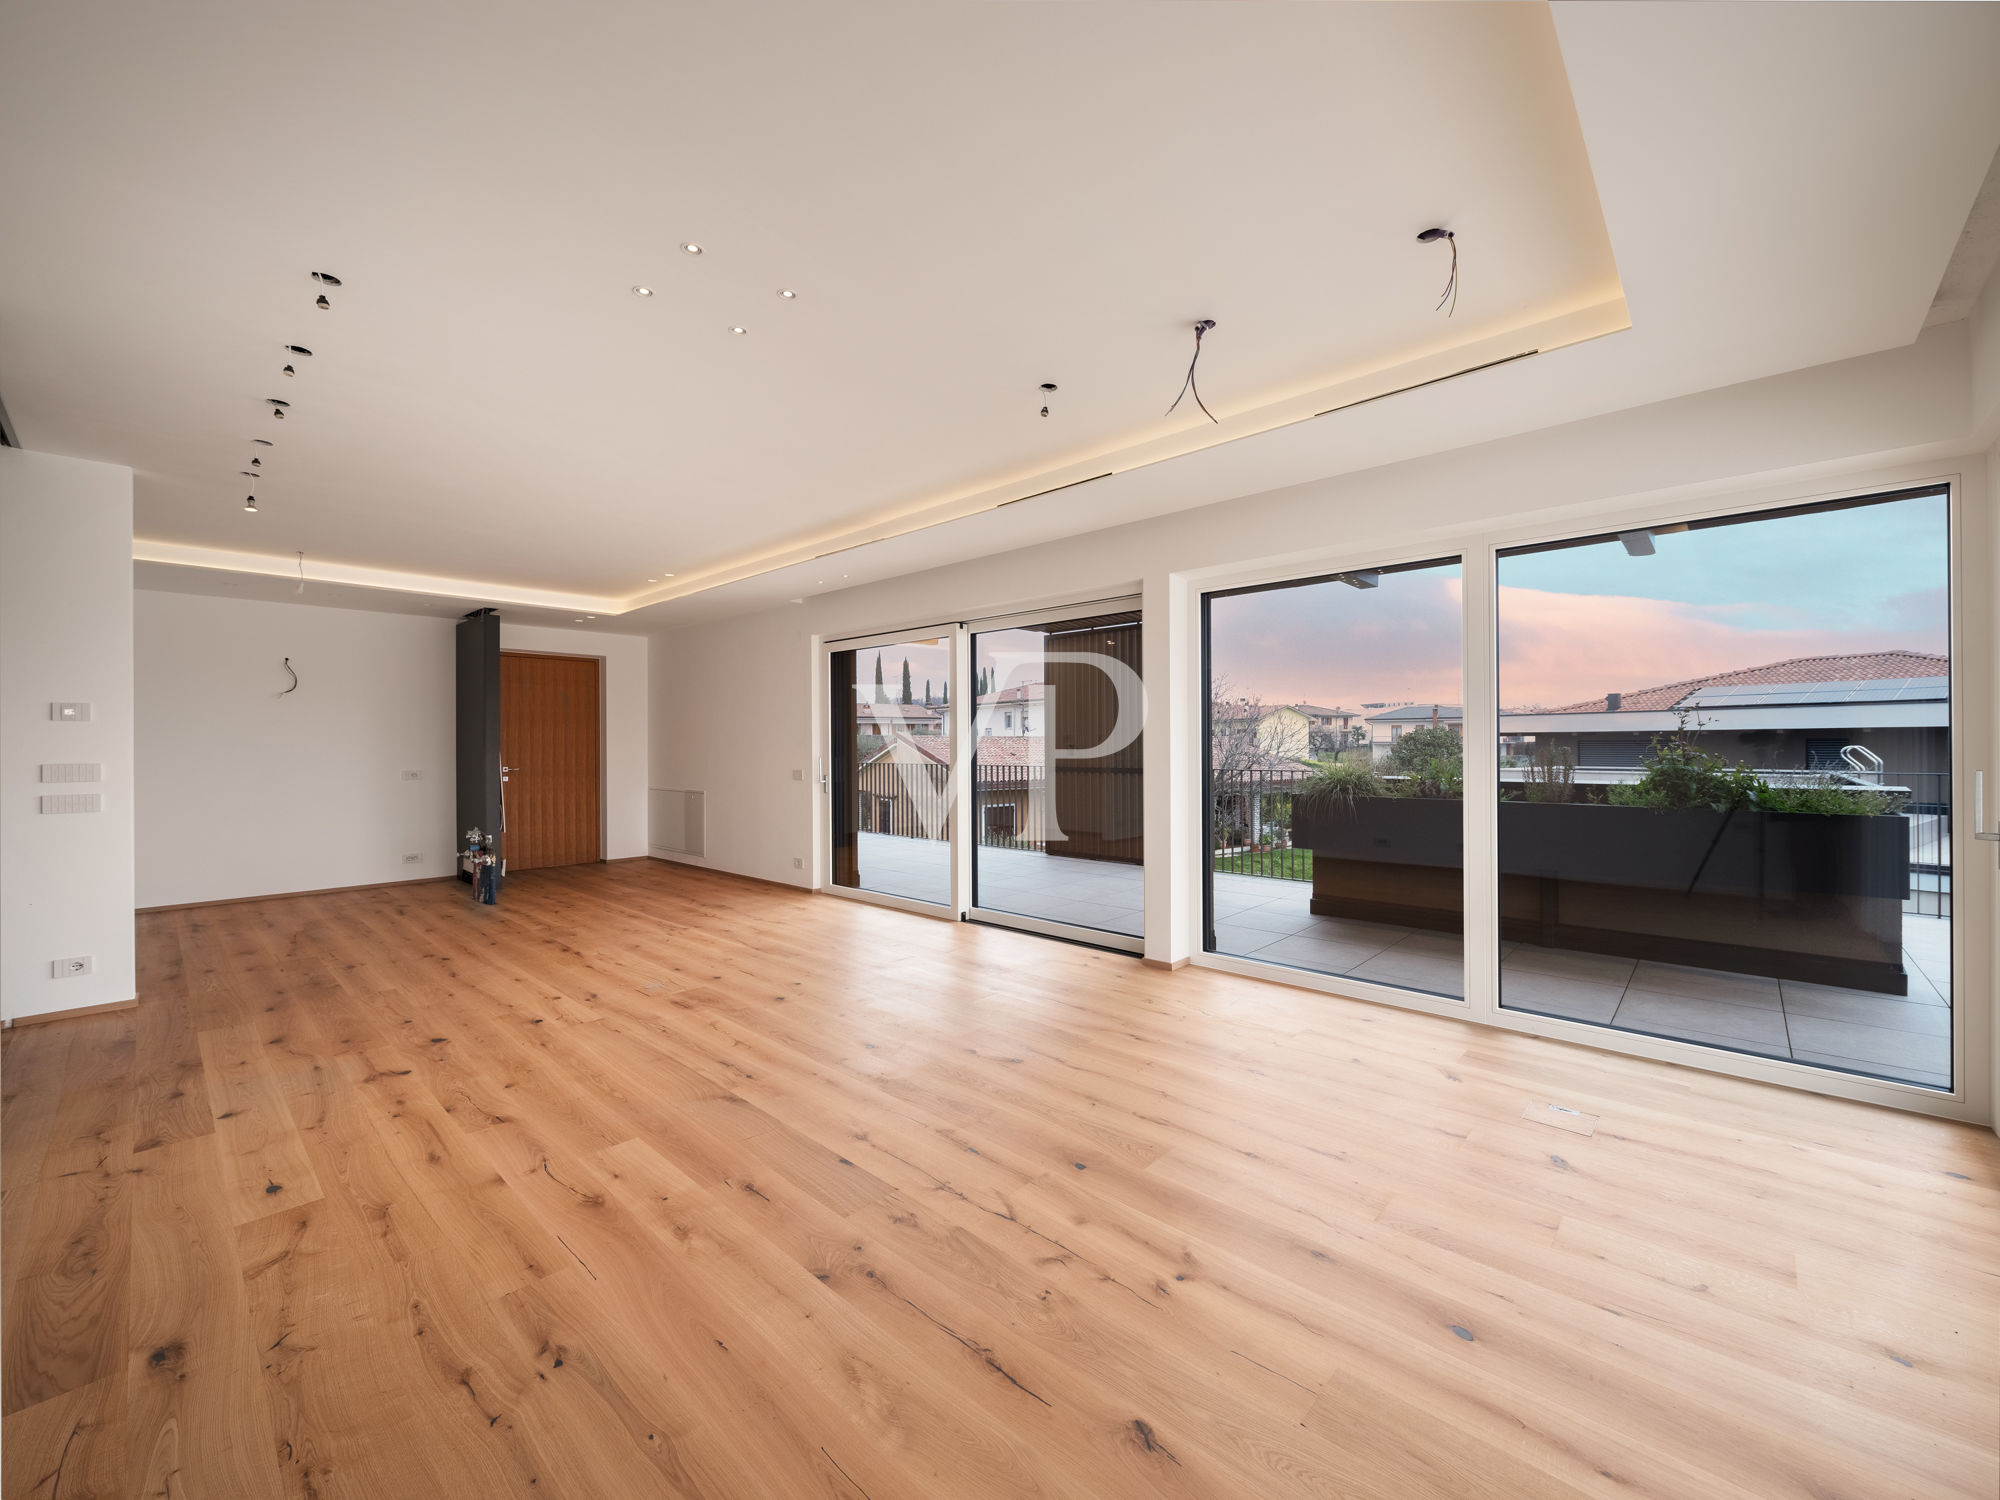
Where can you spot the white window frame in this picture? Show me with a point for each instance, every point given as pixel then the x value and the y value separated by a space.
pixel 823 654
pixel 1478 548
pixel 1095 937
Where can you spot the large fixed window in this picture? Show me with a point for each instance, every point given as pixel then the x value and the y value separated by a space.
pixel 1335 810
pixel 1725 783
pixel 1058 772
pixel 889 776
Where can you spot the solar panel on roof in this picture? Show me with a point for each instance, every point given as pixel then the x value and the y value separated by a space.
pixel 1793 694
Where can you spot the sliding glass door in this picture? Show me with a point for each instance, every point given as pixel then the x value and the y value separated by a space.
pixel 1058 808
pixel 889 780
pixel 1334 805
pixel 1725 783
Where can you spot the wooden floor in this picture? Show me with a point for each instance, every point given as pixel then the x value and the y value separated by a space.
pixel 656 1183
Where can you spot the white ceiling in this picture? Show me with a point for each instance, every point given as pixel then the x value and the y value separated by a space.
pixel 969 198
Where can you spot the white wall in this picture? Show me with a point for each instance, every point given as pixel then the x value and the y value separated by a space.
pixel 65 636
pixel 243 792
pixel 1892 417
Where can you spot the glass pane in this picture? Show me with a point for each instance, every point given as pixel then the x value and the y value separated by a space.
pixel 1725 784
pixel 1335 808
pixel 1058 799
pixel 890 779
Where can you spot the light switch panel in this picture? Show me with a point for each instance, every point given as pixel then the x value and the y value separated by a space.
pixel 70 713
pixel 75 770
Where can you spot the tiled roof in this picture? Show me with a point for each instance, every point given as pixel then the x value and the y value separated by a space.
pixel 994 749
pixel 1865 667
pixel 1030 692
pixel 1420 713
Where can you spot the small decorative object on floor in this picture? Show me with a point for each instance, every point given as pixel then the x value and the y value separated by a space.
pixel 479 853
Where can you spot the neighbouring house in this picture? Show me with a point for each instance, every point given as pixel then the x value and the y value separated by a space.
pixel 1389 726
pixel 904 787
pixel 884 720
pixel 1331 730
pixel 1862 713
pixel 1014 711
pixel 1285 731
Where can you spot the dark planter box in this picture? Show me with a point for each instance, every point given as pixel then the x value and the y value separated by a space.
pixel 1789 895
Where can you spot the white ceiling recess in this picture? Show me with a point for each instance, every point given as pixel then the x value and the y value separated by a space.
pixel 968 199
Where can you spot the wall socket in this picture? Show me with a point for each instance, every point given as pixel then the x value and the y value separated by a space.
pixel 413 859
pixel 797 863
pixel 413 776
pixel 798 775
pixel 70 968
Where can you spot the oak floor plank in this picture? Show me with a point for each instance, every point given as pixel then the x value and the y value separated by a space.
pixel 262 1160
pixel 194 1402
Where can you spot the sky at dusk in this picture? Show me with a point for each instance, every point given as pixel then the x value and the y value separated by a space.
pixel 1581 621
pixel 928 659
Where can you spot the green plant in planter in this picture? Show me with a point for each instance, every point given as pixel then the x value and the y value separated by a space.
pixel 1340 782
pixel 1826 797
pixel 1551 775
pixel 1428 762
pixel 1681 776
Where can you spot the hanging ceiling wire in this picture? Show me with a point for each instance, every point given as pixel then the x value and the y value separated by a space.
pixel 1450 293
pixel 302 575
pixel 1188 386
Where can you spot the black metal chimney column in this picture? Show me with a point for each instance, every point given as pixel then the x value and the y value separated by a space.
pixel 479 728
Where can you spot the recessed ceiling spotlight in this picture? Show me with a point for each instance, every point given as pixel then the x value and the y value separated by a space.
pixel 289 370
pixel 590 617
pixel 250 504
pixel 321 303
pixel 256 463
pixel 787 293
pixel 739 328
pixel 652 580
pixel 326 278
pixel 692 248
pixel 278 412
pixel 642 291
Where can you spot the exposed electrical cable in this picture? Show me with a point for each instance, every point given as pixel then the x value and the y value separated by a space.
pixel 295 678
pixel 1450 293
pixel 302 575
pixel 1188 384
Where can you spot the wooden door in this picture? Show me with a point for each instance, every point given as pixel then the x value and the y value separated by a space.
pixel 549 739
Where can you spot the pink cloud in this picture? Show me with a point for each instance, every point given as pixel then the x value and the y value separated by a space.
pixel 1561 648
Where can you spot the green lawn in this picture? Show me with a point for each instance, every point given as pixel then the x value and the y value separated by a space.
pixel 1276 864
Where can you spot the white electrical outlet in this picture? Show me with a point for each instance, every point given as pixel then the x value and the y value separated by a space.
pixel 69 968
pixel 413 859
pixel 413 776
